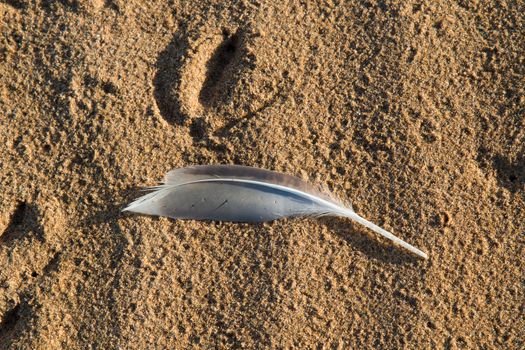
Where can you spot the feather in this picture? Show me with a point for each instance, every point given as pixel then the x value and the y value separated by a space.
pixel 244 194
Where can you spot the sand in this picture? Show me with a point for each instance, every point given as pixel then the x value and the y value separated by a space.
pixel 415 112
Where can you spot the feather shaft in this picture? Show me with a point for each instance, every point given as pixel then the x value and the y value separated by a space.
pixel 354 216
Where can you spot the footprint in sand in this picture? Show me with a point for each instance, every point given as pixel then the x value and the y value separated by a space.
pixel 508 169
pixel 31 236
pixel 209 81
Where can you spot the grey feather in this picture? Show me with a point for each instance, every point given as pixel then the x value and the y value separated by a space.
pixel 244 194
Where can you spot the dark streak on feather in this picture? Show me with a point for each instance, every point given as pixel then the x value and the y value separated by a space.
pixel 223 203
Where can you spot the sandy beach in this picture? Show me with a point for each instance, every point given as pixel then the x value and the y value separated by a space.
pixel 412 111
